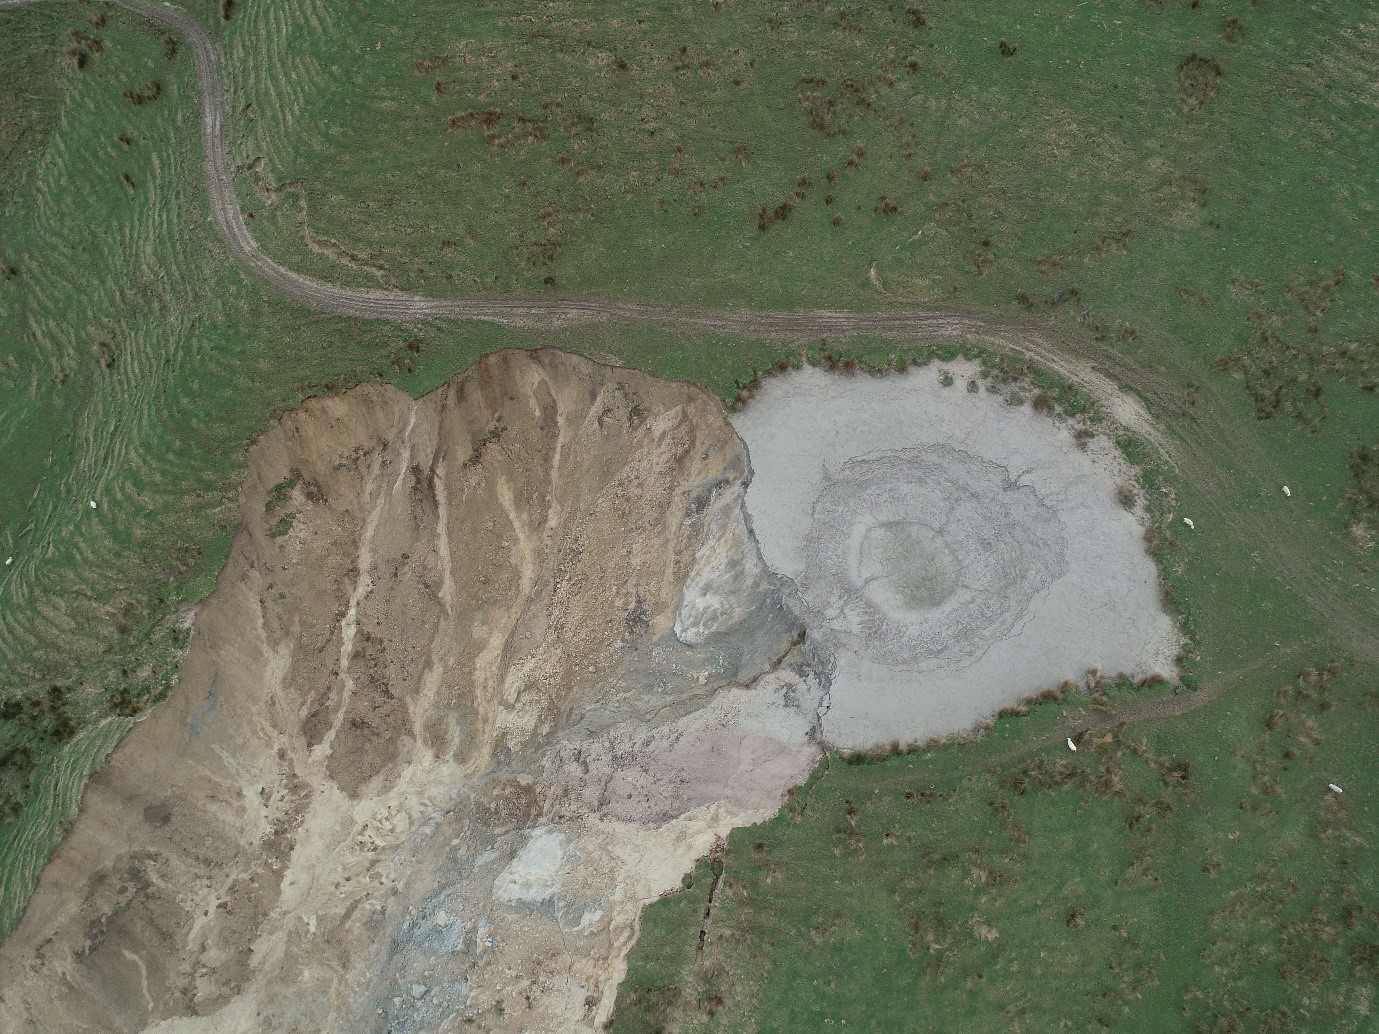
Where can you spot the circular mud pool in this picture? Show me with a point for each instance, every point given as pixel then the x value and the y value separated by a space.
pixel 953 552
pixel 905 566
pixel 925 556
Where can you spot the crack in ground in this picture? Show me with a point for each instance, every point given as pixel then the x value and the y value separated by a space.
pixel 717 858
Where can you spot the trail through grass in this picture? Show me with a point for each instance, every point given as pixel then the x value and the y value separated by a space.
pixel 1207 236
pixel 704 155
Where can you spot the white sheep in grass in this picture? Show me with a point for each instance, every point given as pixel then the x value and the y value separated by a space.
pixel 1285 490
pixel 1334 788
pixel 1071 745
pixel 1188 522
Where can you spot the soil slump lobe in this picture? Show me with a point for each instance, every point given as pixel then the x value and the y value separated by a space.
pixel 484 672
pixel 906 566
pixel 925 556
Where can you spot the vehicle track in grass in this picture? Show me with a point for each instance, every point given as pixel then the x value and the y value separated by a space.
pixel 1080 720
pixel 1217 457
pixel 1025 336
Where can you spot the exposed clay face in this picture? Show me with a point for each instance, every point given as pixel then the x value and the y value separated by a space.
pixel 484 672
pixel 952 552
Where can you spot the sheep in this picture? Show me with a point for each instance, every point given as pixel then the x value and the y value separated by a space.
pixel 1071 745
pixel 1334 788
pixel 1188 522
pixel 1286 492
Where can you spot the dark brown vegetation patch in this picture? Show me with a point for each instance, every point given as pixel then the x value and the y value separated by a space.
pixel 1362 497
pixel 149 93
pixel 832 107
pixel 1199 80
pixel 1288 351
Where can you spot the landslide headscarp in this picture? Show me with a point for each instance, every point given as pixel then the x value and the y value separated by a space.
pixel 484 671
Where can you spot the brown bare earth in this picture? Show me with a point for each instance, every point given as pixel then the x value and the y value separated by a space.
pixel 484 672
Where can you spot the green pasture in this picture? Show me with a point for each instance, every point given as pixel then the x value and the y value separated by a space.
pixel 702 153
pixel 1184 191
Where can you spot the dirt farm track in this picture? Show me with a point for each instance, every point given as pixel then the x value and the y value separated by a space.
pixel 1195 453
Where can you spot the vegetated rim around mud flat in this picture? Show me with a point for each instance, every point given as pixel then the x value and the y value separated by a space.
pixel 1214 439
pixel 1027 336
pixel 1050 576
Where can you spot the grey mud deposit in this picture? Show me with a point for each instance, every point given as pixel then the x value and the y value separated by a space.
pixel 953 553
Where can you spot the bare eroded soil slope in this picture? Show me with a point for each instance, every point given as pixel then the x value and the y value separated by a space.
pixel 484 672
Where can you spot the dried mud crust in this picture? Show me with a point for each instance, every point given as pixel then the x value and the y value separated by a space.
pixel 485 671
pixel 954 553
pixel 926 556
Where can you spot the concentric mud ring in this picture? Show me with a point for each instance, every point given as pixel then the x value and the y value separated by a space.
pixel 924 557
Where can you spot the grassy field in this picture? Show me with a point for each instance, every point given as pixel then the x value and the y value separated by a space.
pixel 1182 875
pixel 137 363
pixel 1184 190
pixel 1187 183
pixel 1151 155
